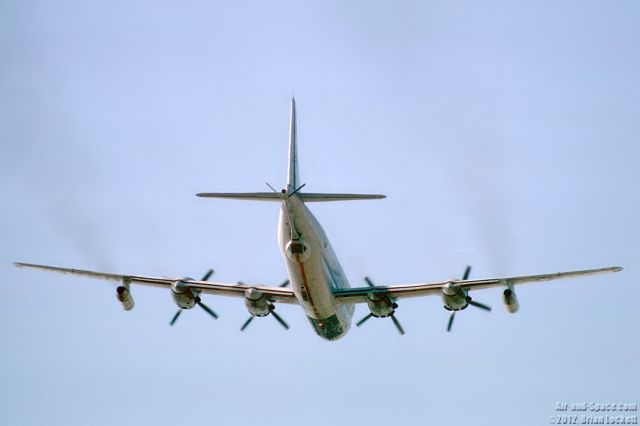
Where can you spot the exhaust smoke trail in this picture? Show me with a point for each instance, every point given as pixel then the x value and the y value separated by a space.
pixel 62 174
pixel 483 189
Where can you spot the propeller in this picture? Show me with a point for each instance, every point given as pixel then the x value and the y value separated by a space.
pixel 394 305
pixel 271 311
pixel 470 301
pixel 279 318
pixel 363 320
pixel 207 275
pixel 204 307
pixel 397 324
pixel 247 322
pixel 467 271
pixel 478 304
pixel 451 318
pixel 175 317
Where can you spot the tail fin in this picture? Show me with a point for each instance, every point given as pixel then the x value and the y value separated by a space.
pixel 293 178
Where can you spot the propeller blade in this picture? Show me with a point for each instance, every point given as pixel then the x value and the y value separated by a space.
pixel 208 310
pixel 175 317
pixel 397 323
pixel 280 320
pixel 369 282
pixel 284 284
pixel 467 271
pixel 453 315
pixel 247 322
pixel 362 321
pixel 207 275
pixel 480 305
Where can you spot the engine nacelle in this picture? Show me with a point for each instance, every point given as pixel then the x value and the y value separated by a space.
pixel 298 250
pixel 510 301
pixel 257 303
pixel 183 295
pixel 380 305
pixel 124 296
pixel 454 297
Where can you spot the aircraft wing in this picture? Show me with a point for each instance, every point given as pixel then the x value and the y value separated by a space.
pixel 275 294
pixel 359 295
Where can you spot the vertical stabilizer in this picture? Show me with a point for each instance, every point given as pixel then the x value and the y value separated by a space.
pixel 293 178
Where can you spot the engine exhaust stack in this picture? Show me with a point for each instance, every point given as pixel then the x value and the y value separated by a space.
pixel 510 301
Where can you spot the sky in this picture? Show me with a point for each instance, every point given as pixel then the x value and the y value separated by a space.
pixel 503 133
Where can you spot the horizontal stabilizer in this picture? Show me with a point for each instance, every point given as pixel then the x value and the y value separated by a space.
pixel 276 196
pixel 255 196
pixel 310 197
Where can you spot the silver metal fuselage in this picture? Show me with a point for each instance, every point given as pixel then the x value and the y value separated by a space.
pixel 315 275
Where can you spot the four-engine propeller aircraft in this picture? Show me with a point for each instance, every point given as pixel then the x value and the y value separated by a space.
pixel 318 283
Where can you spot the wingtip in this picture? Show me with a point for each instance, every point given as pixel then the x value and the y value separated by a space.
pixel 617 268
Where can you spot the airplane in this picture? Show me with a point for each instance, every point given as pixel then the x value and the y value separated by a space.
pixel 318 282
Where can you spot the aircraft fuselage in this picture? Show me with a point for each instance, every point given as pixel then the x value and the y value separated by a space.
pixel 314 270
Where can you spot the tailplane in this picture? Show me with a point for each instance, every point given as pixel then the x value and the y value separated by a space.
pixel 277 196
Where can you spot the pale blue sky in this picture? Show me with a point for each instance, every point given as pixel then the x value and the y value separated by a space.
pixel 505 136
